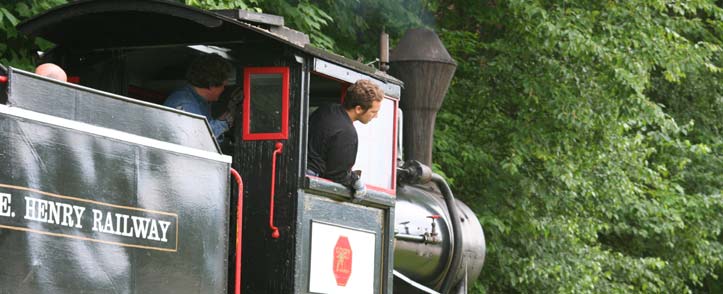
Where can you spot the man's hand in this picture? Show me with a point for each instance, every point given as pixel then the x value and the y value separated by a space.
pixel 360 191
pixel 234 104
pixel 228 117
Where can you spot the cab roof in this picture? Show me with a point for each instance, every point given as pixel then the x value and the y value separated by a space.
pixel 108 24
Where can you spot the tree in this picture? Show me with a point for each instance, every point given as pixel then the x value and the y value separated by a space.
pixel 350 28
pixel 588 182
pixel 16 49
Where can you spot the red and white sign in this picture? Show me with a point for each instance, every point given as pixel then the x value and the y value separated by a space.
pixel 342 260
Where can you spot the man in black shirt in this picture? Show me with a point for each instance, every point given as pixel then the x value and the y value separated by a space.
pixel 333 140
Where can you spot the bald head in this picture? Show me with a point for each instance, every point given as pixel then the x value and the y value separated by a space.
pixel 52 71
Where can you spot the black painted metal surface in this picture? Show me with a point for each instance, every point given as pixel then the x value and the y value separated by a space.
pixel 338 191
pixel 426 260
pixel 73 206
pixel 109 23
pixel 269 264
pixel 281 265
pixel 345 215
pixel 326 201
pixel 323 201
pixel 86 105
pixel 423 64
pixel 104 24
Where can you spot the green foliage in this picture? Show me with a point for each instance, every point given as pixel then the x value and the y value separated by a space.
pixel 16 49
pixel 303 16
pixel 350 28
pixel 300 15
pixel 357 24
pixel 225 4
pixel 588 184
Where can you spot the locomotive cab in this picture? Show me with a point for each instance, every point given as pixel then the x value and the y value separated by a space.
pixel 299 233
pixel 141 49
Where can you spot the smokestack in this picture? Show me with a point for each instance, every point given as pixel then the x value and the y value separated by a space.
pixel 426 68
pixel 384 52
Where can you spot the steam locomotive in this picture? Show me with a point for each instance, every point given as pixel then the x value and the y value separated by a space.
pixel 104 190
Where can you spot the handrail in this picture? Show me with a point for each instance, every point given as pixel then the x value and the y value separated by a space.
pixel 239 228
pixel 274 230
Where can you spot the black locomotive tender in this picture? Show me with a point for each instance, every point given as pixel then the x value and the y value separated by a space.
pixel 100 193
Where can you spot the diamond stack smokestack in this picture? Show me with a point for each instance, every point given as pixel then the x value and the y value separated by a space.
pixel 426 68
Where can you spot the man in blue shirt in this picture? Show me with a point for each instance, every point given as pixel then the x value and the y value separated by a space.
pixel 206 76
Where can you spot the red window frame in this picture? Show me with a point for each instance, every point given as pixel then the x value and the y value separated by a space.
pixel 284 134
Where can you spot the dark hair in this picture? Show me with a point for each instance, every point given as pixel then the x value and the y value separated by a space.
pixel 362 93
pixel 208 70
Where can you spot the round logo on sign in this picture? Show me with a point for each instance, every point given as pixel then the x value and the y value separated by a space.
pixel 342 261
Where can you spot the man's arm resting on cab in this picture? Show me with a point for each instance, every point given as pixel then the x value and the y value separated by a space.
pixel 341 157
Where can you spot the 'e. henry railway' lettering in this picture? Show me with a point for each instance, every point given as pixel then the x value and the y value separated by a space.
pixel 53 212
pixel 5 200
pixel 130 226
pixel 64 216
